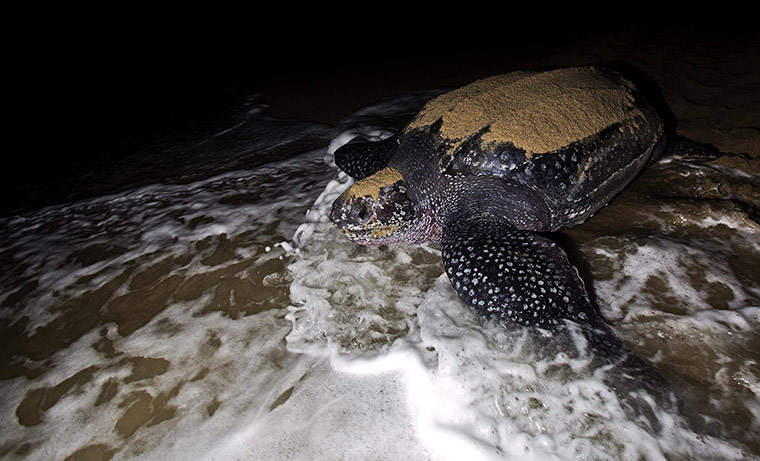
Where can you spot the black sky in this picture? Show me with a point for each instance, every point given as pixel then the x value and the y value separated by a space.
pixel 79 91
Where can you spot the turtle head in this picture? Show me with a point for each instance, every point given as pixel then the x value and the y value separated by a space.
pixel 375 210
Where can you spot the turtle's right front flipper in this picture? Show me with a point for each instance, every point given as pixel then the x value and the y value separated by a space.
pixel 360 158
pixel 513 275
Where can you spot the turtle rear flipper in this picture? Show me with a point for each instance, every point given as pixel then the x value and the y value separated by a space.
pixel 360 158
pixel 682 146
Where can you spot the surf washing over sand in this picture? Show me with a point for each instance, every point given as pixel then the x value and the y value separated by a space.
pixel 216 320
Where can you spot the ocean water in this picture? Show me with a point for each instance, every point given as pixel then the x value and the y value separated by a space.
pixel 223 317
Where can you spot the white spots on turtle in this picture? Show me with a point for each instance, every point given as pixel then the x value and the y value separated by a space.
pixel 511 275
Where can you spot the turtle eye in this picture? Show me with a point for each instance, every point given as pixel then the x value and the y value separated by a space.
pixel 363 213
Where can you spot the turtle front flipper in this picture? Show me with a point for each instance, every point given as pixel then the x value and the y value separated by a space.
pixel 513 275
pixel 520 276
pixel 360 158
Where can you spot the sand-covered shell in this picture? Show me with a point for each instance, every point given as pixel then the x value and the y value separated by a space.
pixel 567 132
pixel 536 112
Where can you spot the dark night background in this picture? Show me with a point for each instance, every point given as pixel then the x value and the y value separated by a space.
pixel 84 95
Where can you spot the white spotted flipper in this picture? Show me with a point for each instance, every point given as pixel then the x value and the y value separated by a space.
pixel 513 275
pixel 520 276
pixel 360 158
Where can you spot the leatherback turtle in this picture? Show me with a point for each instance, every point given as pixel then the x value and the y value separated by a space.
pixel 488 169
